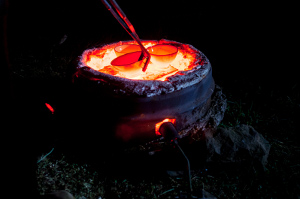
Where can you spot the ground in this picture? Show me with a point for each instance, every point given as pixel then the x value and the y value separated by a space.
pixel 272 111
pixel 279 179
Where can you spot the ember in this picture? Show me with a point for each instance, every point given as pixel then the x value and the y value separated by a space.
pixel 50 108
pixel 100 59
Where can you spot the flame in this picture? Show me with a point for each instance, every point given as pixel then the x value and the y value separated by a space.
pixel 100 59
pixel 157 125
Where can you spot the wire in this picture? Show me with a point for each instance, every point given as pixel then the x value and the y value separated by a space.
pixel 188 165
pixel 170 133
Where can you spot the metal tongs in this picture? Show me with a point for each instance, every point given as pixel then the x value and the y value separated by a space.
pixel 123 20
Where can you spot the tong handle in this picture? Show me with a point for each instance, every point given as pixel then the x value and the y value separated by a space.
pixel 123 20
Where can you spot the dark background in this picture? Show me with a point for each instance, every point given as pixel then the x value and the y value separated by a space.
pixel 252 47
pixel 250 44
pixel 241 39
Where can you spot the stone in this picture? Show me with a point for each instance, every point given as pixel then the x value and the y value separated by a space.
pixel 237 144
pixel 207 195
pixel 62 194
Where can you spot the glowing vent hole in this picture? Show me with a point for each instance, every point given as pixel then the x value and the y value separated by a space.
pixel 157 125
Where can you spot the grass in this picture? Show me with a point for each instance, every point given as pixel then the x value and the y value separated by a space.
pixel 237 114
pixel 60 175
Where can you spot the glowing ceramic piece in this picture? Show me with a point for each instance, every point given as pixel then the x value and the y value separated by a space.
pixel 162 54
pixel 129 64
pixel 126 48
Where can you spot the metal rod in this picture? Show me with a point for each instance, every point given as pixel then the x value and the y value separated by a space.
pixel 170 133
pixel 124 21
pixel 188 167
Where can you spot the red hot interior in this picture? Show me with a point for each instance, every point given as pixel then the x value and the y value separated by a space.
pixel 100 60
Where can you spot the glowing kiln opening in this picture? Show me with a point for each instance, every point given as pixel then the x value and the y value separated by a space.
pixel 157 125
pixel 100 59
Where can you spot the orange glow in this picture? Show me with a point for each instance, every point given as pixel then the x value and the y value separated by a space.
pixel 50 108
pixel 157 125
pixel 100 60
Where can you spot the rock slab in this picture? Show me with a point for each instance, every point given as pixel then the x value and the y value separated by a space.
pixel 237 144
